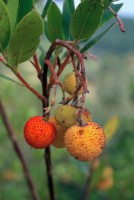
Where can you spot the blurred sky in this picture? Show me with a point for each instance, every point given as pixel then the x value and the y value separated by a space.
pixel 127 10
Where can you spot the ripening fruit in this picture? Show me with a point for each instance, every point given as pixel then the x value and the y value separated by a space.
pixel 85 143
pixel 60 131
pixel 66 115
pixel 106 181
pixel 70 83
pixel 39 133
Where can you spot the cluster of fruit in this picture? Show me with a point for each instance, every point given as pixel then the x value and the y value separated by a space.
pixel 84 142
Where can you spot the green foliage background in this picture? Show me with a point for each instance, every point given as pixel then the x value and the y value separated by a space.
pixel 111 88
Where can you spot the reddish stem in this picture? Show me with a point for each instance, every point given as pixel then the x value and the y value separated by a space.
pixel 37 66
pixel 122 28
pixel 63 65
pixel 19 153
pixel 41 97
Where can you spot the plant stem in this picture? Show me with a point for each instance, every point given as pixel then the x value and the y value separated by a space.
pixel 121 25
pixel 41 97
pixel 19 153
pixel 37 66
pixel 47 154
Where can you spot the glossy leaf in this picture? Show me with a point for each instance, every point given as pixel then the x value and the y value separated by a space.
pixel 86 19
pixel 107 3
pixel 25 6
pixel 5 26
pixel 54 22
pixel 108 14
pixel 47 5
pixel 110 128
pixel 68 10
pixel 96 39
pixel 13 10
pixel 25 39
pixel 9 79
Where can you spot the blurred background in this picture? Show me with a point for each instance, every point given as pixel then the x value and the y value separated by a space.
pixel 111 86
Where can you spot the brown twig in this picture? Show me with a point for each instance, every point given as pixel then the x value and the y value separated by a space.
pixel 19 153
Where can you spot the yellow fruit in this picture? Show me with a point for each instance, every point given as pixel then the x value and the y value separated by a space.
pixel 59 140
pixel 85 143
pixel 66 115
pixel 70 83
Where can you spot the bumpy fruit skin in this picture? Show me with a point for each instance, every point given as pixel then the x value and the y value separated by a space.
pixel 59 140
pixel 39 133
pixel 106 181
pixel 85 143
pixel 70 83
pixel 66 115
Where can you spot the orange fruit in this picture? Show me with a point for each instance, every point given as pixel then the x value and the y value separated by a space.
pixel 85 143
pixel 59 140
pixel 39 133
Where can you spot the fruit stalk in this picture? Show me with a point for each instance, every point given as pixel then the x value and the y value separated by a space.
pixel 19 153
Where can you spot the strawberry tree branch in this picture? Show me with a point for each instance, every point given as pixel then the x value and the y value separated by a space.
pixel 19 153
pixel 47 151
pixel 41 97
pixel 37 66
pixel 121 25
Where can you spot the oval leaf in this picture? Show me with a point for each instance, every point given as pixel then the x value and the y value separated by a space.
pixel 5 26
pixel 86 19
pixel 68 10
pixel 25 39
pixel 54 22
pixel 110 128
pixel 25 6
pixel 13 10
pixel 47 5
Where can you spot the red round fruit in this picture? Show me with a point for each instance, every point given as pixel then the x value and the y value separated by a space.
pixel 38 133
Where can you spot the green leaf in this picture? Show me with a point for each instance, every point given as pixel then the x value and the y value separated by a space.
pixel 86 19
pixel 54 22
pixel 96 39
pixel 68 10
pixel 5 26
pixel 25 6
pixel 9 79
pixel 108 14
pixel 25 39
pixel 47 5
pixel 107 3
pixel 13 10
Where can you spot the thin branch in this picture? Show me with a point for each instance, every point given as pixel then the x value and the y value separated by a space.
pixel 19 153
pixel 121 25
pixel 37 66
pixel 41 97
pixel 47 153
